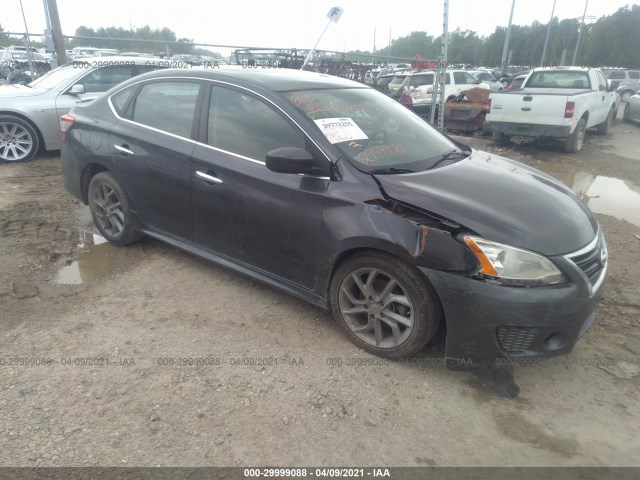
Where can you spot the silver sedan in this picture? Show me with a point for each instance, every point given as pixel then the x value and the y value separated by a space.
pixel 29 114
pixel 632 109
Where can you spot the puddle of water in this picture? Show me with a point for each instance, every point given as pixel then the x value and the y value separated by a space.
pixel 606 195
pixel 97 260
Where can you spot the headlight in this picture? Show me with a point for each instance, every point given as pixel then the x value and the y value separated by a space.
pixel 513 266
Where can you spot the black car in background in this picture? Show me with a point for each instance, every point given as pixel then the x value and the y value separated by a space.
pixel 331 191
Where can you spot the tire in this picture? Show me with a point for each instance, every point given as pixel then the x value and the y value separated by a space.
pixel 626 95
pixel 574 142
pixel 19 140
pixel 604 127
pixel 110 210
pixel 505 83
pixel 366 319
pixel 500 139
pixel 626 116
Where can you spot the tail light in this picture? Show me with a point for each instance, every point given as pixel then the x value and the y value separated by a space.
pixel 406 99
pixel 569 109
pixel 488 107
pixel 65 123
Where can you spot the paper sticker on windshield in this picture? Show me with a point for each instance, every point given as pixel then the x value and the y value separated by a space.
pixel 340 130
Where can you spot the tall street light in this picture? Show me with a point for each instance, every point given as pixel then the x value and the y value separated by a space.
pixel 575 53
pixel 546 40
pixel 505 50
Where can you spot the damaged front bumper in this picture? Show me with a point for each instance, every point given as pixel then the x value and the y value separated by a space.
pixel 491 327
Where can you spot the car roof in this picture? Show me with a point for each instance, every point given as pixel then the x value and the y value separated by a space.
pixel 277 79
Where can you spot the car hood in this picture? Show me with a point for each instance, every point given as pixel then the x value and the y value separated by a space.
pixel 501 200
pixel 12 91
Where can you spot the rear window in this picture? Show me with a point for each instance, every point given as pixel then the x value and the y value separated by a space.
pixel 558 79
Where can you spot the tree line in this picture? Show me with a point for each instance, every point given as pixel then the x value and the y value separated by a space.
pixel 612 40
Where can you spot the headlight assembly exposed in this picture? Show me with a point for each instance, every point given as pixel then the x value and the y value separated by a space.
pixel 511 265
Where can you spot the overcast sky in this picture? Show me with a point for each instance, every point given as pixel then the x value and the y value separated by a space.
pixel 291 23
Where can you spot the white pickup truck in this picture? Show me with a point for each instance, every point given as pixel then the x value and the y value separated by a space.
pixel 558 103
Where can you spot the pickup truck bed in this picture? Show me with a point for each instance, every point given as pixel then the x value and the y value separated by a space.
pixel 546 108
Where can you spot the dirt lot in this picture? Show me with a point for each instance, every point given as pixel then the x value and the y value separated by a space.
pixel 317 400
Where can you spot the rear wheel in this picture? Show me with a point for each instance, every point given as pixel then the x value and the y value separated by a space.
pixel 574 142
pixel 384 305
pixel 19 141
pixel 501 139
pixel 110 210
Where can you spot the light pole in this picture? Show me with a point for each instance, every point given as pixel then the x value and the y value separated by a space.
pixel 546 40
pixel 505 50
pixel 575 53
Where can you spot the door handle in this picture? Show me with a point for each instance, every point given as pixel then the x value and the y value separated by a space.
pixel 208 178
pixel 124 149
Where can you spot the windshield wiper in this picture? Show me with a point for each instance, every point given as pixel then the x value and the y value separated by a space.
pixel 449 156
pixel 390 170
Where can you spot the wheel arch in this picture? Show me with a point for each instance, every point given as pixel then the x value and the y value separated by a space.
pixel 341 257
pixel 88 172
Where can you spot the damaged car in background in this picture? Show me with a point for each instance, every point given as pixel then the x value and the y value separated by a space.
pixel 467 111
pixel 333 192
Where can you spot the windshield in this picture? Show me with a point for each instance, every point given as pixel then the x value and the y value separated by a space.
pixel 56 76
pixel 373 131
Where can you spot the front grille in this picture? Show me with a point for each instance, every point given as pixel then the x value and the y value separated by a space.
pixel 517 339
pixel 592 260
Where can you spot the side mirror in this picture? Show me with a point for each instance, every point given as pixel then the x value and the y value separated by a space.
pixel 289 160
pixel 77 89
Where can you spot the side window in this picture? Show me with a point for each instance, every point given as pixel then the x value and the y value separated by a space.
pixel 602 81
pixel 121 99
pixel 167 106
pixel 246 126
pixel 617 76
pixel 464 78
pixel 103 78
pixel 634 75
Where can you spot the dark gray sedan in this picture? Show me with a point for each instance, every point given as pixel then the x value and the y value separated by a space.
pixel 333 192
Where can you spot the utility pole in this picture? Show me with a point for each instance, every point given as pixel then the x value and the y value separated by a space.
pixel 505 49
pixel 27 43
pixel 575 53
pixel 546 40
pixel 440 82
pixel 56 31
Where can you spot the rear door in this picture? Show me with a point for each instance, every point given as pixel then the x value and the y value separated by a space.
pixel 152 147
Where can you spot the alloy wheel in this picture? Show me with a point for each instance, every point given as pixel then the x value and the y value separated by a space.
pixel 376 308
pixel 108 210
pixel 16 142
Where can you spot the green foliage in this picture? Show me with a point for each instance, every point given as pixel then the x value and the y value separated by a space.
pixel 127 39
pixel 611 41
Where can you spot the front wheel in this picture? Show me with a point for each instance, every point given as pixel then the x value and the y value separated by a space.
pixel 574 142
pixel 500 139
pixel 110 210
pixel 604 127
pixel 19 141
pixel 626 116
pixel 626 95
pixel 384 305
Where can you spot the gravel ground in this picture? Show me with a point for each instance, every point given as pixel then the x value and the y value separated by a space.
pixel 275 383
